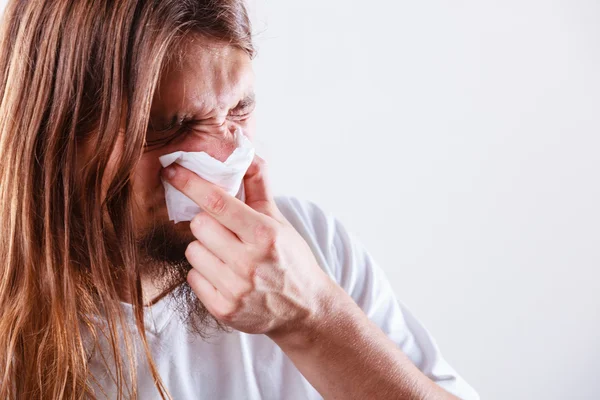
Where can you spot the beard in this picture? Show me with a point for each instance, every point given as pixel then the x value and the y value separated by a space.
pixel 162 252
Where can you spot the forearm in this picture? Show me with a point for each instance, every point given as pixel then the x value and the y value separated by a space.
pixel 346 356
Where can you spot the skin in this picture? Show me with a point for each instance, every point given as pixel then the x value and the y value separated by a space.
pixel 251 269
pixel 212 87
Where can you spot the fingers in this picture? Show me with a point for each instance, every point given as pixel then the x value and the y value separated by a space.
pixel 219 240
pixel 256 185
pixel 234 214
pixel 206 292
pixel 258 190
pixel 220 307
pixel 219 275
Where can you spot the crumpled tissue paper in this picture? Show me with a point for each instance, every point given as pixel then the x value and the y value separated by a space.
pixel 228 175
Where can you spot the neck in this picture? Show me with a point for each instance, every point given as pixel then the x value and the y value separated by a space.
pixel 155 294
pixel 151 293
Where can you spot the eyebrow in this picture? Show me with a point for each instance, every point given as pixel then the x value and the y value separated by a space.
pixel 247 101
pixel 180 117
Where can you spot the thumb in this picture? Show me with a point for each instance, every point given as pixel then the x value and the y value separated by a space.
pixel 257 189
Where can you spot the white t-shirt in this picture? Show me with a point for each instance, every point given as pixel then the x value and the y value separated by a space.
pixel 238 366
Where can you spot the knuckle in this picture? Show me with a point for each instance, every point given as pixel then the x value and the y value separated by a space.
pixel 251 272
pixel 267 236
pixel 215 203
pixel 252 276
pixel 226 312
pixel 240 290
pixel 261 163
pixel 261 170
pixel 266 233
pixel 186 183
pixel 242 263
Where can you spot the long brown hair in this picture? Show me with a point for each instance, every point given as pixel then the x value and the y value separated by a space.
pixel 75 72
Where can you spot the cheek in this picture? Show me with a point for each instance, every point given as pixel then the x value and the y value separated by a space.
pixel 147 175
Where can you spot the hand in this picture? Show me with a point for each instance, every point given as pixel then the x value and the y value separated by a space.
pixel 251 269
pixel 255 273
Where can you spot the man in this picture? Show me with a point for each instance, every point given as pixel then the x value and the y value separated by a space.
pixel 103 296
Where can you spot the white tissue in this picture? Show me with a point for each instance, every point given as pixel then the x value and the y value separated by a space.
pixel 228 175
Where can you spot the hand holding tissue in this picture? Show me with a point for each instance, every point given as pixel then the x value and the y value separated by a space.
pixel 228 175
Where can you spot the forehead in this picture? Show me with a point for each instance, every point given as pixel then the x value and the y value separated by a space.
pixel 204 76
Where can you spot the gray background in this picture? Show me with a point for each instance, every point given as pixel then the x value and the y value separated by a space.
pixel 460 141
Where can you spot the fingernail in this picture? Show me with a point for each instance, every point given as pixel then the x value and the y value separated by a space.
pixel 169 172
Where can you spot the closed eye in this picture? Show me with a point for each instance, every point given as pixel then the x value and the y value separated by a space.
pixel 164 136
pixel 244 108
pixel 178 125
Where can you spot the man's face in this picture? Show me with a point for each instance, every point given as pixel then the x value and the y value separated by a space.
pixel 200 101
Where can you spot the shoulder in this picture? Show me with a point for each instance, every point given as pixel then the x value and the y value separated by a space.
pixel 318 228
pixel 351 265
pixel 305 215
pixel 337 251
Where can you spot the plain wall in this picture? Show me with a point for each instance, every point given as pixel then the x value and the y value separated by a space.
pixel 459 141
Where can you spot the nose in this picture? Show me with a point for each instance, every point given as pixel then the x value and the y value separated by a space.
pixel 218 142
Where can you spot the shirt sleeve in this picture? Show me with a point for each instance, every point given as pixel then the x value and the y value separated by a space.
pixel 347 261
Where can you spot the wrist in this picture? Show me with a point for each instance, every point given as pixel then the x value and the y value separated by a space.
pixel 332 313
